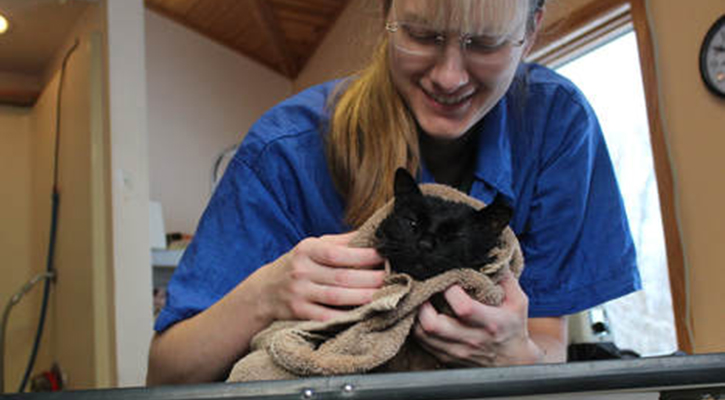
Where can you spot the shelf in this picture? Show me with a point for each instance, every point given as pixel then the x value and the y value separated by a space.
pixel 166 258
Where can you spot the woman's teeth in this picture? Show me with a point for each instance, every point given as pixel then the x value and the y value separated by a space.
pixel 448 100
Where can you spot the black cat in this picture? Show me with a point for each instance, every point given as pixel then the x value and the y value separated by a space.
pixel 424 236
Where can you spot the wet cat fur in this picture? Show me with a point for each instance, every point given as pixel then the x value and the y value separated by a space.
pixel 424 236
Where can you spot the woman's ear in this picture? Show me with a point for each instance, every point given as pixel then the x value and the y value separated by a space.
pixel 538 21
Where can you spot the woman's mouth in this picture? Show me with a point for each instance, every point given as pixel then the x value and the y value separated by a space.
pixel 446 103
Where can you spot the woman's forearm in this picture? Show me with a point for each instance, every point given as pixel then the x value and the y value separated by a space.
pixel 550 336
pixel 307 283
pixel 206 346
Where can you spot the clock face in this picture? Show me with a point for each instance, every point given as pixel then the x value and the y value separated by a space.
pixel 712 58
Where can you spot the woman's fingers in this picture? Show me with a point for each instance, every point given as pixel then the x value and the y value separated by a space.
pixel 330 265
pixel 471 312
pixel 477 333
pixel 342 238
pixel 315 312
pixel 333 251
pixel 348 278
pixel 339 296
pixel 455 354
pixel 324 273
pixel 447 328
pixel 450 341
pixel 514 296
pixel 492 318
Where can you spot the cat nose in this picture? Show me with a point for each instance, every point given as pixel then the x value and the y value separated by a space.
pixel 426 244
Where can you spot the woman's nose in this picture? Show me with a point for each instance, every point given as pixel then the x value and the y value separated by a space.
pixel 449 72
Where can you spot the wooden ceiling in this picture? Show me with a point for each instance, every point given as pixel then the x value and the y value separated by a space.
pixel 281 34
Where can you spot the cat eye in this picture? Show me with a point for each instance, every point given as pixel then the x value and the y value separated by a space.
pixel 409 223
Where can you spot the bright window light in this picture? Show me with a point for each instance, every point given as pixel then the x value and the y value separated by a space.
pixel 611 79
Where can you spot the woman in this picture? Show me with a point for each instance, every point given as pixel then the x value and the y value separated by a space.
pixel 447 96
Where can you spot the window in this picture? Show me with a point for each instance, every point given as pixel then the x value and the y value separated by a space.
pixel 610 78
pixel 601 47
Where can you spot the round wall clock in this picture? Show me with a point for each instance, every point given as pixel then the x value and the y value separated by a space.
pixel 712 58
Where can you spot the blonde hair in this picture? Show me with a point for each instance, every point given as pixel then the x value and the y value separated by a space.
pixel 372 133
pixel 493 17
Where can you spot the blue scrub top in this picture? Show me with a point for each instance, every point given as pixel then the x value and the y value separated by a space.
pixel 541 147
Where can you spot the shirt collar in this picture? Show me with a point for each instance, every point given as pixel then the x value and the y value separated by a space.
pixel 493 173
pixel 493 164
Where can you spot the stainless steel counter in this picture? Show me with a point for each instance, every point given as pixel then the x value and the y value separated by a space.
pixel 676 377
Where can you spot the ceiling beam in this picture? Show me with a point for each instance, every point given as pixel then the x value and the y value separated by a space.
pixel 271 29
pixel 19 89
pixel 18 98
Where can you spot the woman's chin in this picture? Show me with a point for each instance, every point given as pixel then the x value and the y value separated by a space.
pixel 444 121
pixel 444 130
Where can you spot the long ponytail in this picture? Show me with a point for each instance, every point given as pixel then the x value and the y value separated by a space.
pixel 371 134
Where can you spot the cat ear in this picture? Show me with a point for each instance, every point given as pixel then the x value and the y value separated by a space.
pixel 496 215
pixel 405 184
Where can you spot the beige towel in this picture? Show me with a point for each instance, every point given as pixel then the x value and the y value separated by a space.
pixel 373 337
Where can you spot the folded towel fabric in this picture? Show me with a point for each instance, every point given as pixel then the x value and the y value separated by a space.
pixel 373 337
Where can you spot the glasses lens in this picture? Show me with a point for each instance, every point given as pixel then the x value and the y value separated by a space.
pixel 424 42
pixel 418 39
pixel 488 50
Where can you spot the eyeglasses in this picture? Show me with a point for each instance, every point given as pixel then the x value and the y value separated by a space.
pixel 418 40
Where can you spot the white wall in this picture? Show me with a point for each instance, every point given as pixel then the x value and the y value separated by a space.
pixel 202 98
pixel 129 188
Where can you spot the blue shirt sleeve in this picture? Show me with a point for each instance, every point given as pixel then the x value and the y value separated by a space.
pixel 244 227
pixel 576 240
pixel 275 192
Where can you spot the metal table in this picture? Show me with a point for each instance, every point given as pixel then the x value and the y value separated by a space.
pixel 676 377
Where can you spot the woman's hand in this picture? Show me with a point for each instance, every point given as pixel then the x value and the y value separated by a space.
pixel 305 283
pixel 320 274
pixel 479 334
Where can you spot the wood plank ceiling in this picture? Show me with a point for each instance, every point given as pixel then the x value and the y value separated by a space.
pixel 281 34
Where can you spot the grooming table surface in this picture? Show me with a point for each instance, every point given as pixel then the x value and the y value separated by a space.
pixel 676 377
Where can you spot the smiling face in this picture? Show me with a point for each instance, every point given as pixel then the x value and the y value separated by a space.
pixel 448 91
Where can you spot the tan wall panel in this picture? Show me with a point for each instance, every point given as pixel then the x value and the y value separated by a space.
pixel 694 122
pixel 16 266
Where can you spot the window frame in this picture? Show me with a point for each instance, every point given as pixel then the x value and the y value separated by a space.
pixel 565 38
